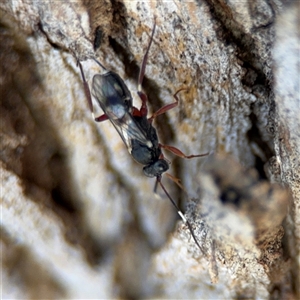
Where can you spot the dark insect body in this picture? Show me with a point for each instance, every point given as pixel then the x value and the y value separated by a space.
pixel 133 125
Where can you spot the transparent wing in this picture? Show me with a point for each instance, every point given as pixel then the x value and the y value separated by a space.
pixel 115 100
pixel 129 130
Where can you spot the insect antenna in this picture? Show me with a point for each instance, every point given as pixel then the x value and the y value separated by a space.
pixel 184 219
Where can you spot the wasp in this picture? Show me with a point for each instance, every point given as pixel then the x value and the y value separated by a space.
pixel 133 124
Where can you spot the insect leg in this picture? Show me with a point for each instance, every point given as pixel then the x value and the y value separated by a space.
pixel 143 96
pixel 102 118
pixel 86 89
pixel 184 219
pixel 167 107
pixel 88 93
pixel 179 153
pixel 176 180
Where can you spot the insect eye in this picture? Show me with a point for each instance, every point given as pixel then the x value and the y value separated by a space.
pixel 162 165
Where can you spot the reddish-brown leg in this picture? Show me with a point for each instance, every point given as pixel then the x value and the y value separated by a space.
pixel 167 107
pixel 144 109
pixel 86 89
pixel 143 96
pixel 180 153
pixel 101 118
pixel 88 94
pixel 176 180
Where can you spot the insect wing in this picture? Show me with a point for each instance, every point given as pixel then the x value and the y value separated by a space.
pixel 112 94
pixel 115 100
pixel 129 130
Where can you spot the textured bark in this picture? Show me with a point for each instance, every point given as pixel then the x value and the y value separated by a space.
pixel 79 219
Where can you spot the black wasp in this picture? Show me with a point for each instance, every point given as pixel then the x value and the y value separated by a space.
pixel 133 125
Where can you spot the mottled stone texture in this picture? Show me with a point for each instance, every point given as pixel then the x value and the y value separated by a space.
pixel 79 219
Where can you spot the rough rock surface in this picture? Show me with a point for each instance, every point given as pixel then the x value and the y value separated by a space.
pixel 78 217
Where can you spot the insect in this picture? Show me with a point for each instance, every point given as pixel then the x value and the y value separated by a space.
pixel 133 125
